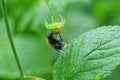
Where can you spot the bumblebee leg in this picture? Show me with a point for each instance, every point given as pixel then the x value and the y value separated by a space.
pixel 60 38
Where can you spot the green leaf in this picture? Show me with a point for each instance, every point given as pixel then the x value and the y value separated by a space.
pixel 91 56
pixel 31 55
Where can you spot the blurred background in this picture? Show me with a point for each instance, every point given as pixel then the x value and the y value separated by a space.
pixel 26 18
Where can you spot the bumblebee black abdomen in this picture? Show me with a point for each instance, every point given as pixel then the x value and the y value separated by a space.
pixel 57 44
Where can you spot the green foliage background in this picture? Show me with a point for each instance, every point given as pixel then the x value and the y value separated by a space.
pixel 26 18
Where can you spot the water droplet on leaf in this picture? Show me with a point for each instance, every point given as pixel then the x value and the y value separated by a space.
pixel 96 42
pixel 112 33
pixel 101 32
pixel 102 53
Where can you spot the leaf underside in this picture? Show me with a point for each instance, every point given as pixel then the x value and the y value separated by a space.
pixel 91 56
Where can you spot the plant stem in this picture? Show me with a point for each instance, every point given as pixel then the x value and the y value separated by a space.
pixel 53 17
pixel 11 39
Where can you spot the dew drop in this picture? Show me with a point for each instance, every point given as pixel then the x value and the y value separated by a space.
pixel 101 32
pixel 112 33
pixel 113 29
pixel 116 50
pixel 96 42
pixel 99 38
pixel 102 53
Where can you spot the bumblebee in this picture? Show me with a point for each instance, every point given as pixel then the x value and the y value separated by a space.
pixel 57 44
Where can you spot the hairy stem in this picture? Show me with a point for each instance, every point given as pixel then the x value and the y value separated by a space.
pixel 53 17
pixel 11 39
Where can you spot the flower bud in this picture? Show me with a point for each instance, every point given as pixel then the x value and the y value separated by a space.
pixel 55 26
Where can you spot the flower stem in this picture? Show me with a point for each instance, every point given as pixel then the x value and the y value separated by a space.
pixel 11 39
pixel 53 17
